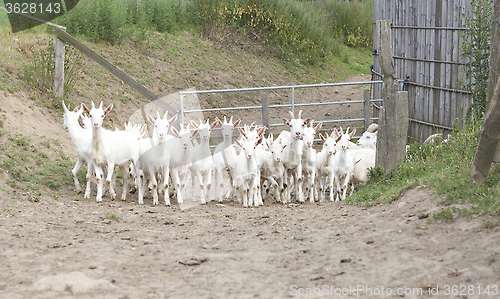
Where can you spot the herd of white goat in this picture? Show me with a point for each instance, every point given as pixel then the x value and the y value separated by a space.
pixel 258 167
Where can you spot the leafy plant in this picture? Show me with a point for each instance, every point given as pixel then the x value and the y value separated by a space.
pixel 476 47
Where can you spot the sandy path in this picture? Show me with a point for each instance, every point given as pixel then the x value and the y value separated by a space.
pixel 270 252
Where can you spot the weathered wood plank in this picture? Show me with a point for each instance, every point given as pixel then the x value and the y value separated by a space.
pixel 59 67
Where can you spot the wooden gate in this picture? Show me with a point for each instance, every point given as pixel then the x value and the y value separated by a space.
pixel 426 44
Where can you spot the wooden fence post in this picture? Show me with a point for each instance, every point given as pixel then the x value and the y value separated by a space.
pixel 366 109
pixel 59 67
pixel 402 121
pixel 393 122
pixel 265 112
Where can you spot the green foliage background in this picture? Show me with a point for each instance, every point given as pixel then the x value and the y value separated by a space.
pixel 310 31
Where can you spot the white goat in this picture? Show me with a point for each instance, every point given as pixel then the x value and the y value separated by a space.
pixel 364 158
pixel 157 160
pixel 111 148
pixel 309 159
pixel 247 171
pixel 343 164
pixel 99 147
pixel 82 139
pixel 274 171
pixel 324 165
pixel 368 140
pixel 180 162
pixel 202 161
pixel 292 156
pixel 225 157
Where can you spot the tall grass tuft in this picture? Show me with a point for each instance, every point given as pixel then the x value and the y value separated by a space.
pixel 40 72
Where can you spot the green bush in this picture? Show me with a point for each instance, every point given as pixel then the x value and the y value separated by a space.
pixel 308 32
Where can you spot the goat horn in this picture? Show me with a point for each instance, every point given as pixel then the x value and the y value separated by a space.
pixel 100 106
pixel 158 114
pixel 300 113
pixel 93 106
pixel 291 114
pixel 230 120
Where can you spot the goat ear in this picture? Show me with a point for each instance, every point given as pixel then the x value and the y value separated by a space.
pixel 194 124
pixel 143 130
pixel 173 119
pixel 356 161
pixel 286 121
pixel 236 123
pixel 335 133
pixel 318 126
pixel 237 143
pixel 259 141
pixel 268 143
pixel 106 111
pixel 352 133
pixel 215 123
pixel 242 132
pixel 322 137
pixel 338 138
pixel 85 108
pixel 174 131
pixel 261 130
pixel 195 131
pixel 151 119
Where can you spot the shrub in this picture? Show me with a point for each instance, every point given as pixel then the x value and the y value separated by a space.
pixel 40 72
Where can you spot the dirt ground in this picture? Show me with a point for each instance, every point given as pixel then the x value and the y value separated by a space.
pixel 67 248
pixel 226 251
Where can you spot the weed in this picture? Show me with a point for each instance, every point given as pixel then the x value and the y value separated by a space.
pixel 40 72
pixel 446 214
pixel 112 217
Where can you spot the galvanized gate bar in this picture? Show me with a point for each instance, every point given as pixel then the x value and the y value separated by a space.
pixel 279 87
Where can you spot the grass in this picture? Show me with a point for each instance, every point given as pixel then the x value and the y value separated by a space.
pixel 444 168
pixel 112 217
pixel 31 171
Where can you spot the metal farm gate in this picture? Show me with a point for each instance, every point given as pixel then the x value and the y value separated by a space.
pixel 426 43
